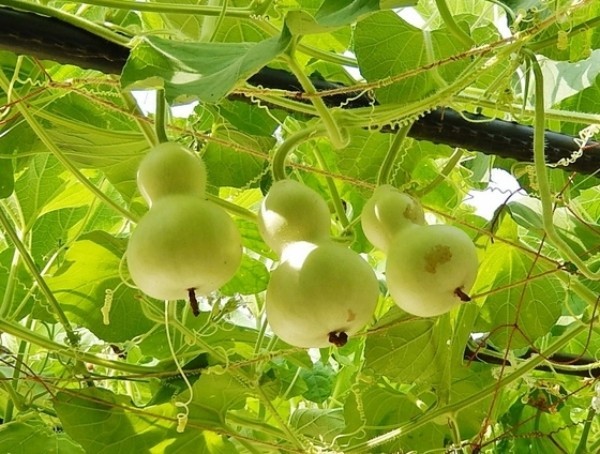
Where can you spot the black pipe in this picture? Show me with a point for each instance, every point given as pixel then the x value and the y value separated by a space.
pixel 50 38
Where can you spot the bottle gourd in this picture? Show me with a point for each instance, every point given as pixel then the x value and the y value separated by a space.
pixel 321 292
pixel 184 245
pixel 429 268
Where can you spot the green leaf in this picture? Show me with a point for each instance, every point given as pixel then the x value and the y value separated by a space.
pixel 215 395
pixel 175 385
pixel 319 381
pixel 45 186
pixel 527 212
pixel 204 71
pixel 7 179
pixel 565 79
pixel 103 422
pixel 387 46
pixel 90 270
pixel 337 13
pixel 404 349
pixel 250 118
pixel 235 159
pixel 363 156
pixel 28 437
pixel 522 312
pixel 377 408
pixel 319 424
pixel 251 278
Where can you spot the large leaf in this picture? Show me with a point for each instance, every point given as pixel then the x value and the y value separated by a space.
pixel 27 437
pixel 90 271
pixel 376 409
pixel 405 349
pixel 387 46
pixel 235 159
pixel 46 186
pixel 522 300
pixel 205 71
pixel 103 422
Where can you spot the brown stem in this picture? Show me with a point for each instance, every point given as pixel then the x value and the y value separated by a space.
pixel 193 302
pixel 462 295
pixel 338 339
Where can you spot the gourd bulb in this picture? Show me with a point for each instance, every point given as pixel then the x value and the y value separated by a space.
pixel 292 212
pixel 320 294
pixel 386 213
pixel 183 243
pixel 430 269
pixel 168 169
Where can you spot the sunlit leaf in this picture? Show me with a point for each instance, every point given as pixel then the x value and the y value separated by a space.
pixel 23 437
pixel 523 298
pixel 405 349
pixel 88 278
pixel 103 422
pixel 385 46
pixel 206 71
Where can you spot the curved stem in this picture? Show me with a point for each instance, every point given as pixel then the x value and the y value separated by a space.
pixel 542 175
pixel 219 21
pixel 16 400
pixel 450 165
pixel 385 171
pixel 451 24
pixel 20 332
pixel 330 124
pixel 9 290
pixel 281 154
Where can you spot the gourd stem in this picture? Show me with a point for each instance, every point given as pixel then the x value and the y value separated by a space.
pixel 330 124
pixel 142 122
pixel 289 144
pixel 450 165
pixel 335 195
pixel 385 171
pixel 160 117
pixel 542 175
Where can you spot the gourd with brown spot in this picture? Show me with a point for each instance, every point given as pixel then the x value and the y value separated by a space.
pixel 430 269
